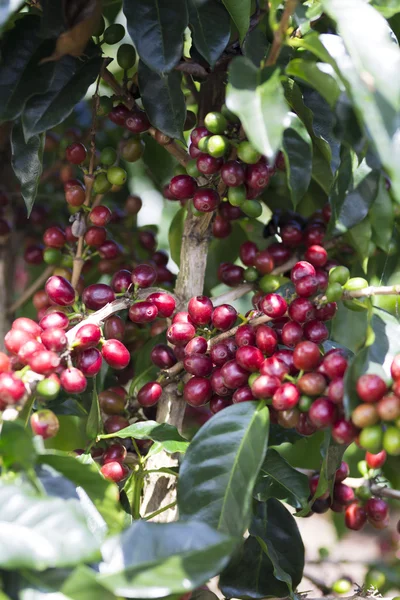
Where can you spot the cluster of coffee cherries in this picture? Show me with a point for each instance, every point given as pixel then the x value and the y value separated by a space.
pixel 358 504
pixel 378 414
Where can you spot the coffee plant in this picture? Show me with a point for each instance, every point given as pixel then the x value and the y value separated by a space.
pixel 175 398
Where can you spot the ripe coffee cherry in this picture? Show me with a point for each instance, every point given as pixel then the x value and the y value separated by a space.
pixel 143 312
pixel 44 423
pixel 12 389
pixel 218 385
pixel 34 255
pixel 258 176
pixel 197 345
pixel 89 362
pixel 197 134
pixel 300 270
pixel 95 236
pixel 44 362
pixel 197 391
pixel 206 200
pixel 304 426
pixel 326 312
pixel 316 331
pixel 208 165
pixel 377 509
pixel 115 354
pixel 27 325
pixel 301 310
pixel 321 506
pixel 200 309
pixel 183 187
pixel 314 235
pixel 232 275
pixel 163 356
pixel 73 381
pixel 307 286
pixel 355 516
pixel 144 276
pixel 306 356
pixel 273 306
pixel 371 388
pixel 100 216
pixel 220 353
pixel 115 452
pixel 395 367
pixel 121 281
pixel 312 384
pixel 335 390
pixel 75 195
pixel 115 423
pixel 389 408
pixel 242 394
pixel 249 357
pixel 248 252
pixel 343 432
pixel 53 339
pixel 87 336
pixel 286 397
pixel 109 250
pixel 180 334
pixel 198 364
pixel 54 237
pixel 376 461
pixel 114 471
pixel 234 375
pixel 263 262
pixel 279 253
pixel 322 413
pixel 316 255
pixel 335 365
pixel 4 363
pixel 274 366
pixel 223 317
pixel 165 303
pixel 149 394
pixel 111 403
pixel 232 173
pixel 54 319
pixel 217 404
pixel 76 153
pixel 292 234
pixel 342 472
pixel 343 494
pixel 60 291
pixel 97 295
pixel 245 336
pixel 292 334
pixel 265 386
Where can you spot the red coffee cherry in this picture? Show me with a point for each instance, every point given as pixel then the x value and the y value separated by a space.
pixel 304 426
pixel 242 394
pixel 54 339
pixel 248 252
pixel 395 367
pixel 197 391
pixel 115 354
pixel 149 394
pixel 265 386
pixel 263 262
pixel 44 423
pixel 223 317
pixel 300 270
pixel 234 375
pixel 316 255
pixel 4 363
pixel 198 364
pixel 314 235
pixel 200 309
pixel 33 255
pixel 335 365
pixel 377 509
pixel 180 333
pixel 292 334
pixel 12 389
pixel 183 187
pixel 355 516
pixel 274 366
pixel 97 295
pixel 232 275
pixel 44 362
pixel 163 356
pixel 322 413
pixel 197 345
pixel 165 303
pixel 109 250
pixel 73 381
pixel 87 336
pixel 246 336
pixel 115 423
pixel 316 331
pixel 258 175
pixel 342 473
pixel 208 165
pixel 266 339
pixel 307 286
pixel 343 494
pixel 143 276
pixel 89 362
pixel 301 310
pixel 114 328
pixel 232 173
pixel 100 216
pixel 54 319
pixel 76 153
pixel 114 471
pixel 143 312
pixel 249 357
pixel 286 397
pixel 197 134
pixel 371 388
pixel 217 404
pixel 344 432
pixel 206 200
pixel 273 306
pixel 220 354
pixel 75 195
pixel 60 291
pixel 27 325
pixel 115 452
pixel 54 237
pixel 121 281
pixel 306 356
pixel 376 461
pixel 137 121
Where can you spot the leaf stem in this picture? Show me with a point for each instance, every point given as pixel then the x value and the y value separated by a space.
pixel 160 510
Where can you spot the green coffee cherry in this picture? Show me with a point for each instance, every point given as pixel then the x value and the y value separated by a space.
pixel 371 438
pixel 101 184
pixel 48 389
pixel 108 156
pixel 252 378
pixel 197 213
pixel 100 27
pixel 391 441
pixel 247 153
pixel 269 283
pixel 114 34
pixel 179 170
pixel 105 106
pixel 126 56
pixel 355 305
pixel 132 149
pixel 363 468
pixel 339 275
pixel 215 122
pixel 203 143
pixel 355 283
pixel 375 578
pixel 252 208
pixel 342 586
pixel 217 146
pixel 116 175
pixel 52 256
pixel 363 492
pixel 334 292
pixel 250 274
pixel 66 261
pixel 237 195
pixel 305 403
pixel 228 114
pixel 191 168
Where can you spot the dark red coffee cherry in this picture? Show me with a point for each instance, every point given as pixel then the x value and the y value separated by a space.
pixel 149 394
pixel 121 281
pixel 258 175
pixel 114 328
pixel 307 286
pixel 306 356
pixel 344 432
pixel 224 317
pixel 218 384
pixel 197 345
pixel 183 187
pixel 217 404
pixel 342 472
pixel 200 309
pixel 292 334
pixel 232 173
pixel 197 391
pixel 115 423
pixel 291 234
pixel 242 394
pixel 60 291
pixel 371 388
pixel 143 276
pixel 248 252
pixel 263 262
pixel 143 312
pixel 76 153
pixel 118 114
pixel 316 331
pixel 234 375
pixel 115 354
pixel 208 165
pixel 220 354
pixel 232 275
pixel 206 200
pixel 97 295
pixel 163 356
pixel 377 509
pixel 89 362
pixel 245 336
pixel 273 306
pixel 322 413
pixel 197 134
pixel 114 452
pixel 355 516
pixel 137 121
pixel 301 310
pixel 198 364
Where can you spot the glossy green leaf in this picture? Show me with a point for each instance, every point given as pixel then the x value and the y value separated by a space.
pixel 382 217
pixel 359 238
pixel 240 11
pixel 349 327
pixel 86 477
pixel 158 160
pixel 69 84
pixel 332 454
pixel 221 465
pixel 82 584
pixel 163 100
pixel 255 46
pixel 94 424
pixel 16 446
pixel 256 96
pixel 156 29
pixel 278 479
pixel 27 163
pixel 175 234
pixel 38 532
pixel 210 26
pixel 165 434
pixel 387 8
pixel 297 149
pixel 154 560
pixel 316 75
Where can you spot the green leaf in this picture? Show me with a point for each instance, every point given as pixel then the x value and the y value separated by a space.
pixel 165 434
pixel 240 11
pixel 40 533
pixel 94 424
pixel 332 454
pixel 382 218
pixel 82 584
pixel 159 162
pixel 27 163
pixel 175 234
pixel 157 29
pixel 103 493
pixel 387 8
pixel 69 84
pixel 16 446
pixel 360 236
pixel 356 368
pixel 297 149
pixel 163 100
pixel 255 46
pixel 271 560
pixel 211 27
pixel 153 560
pixel 6 9
pixel 278 479
pixel 349 327
pixel 221 465
pixel 315 75
pixel 256 97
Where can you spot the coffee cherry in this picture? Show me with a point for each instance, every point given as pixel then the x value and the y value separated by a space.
pixel 300 270
pixel 4 363
pixel 116 175
pixel 376 461
pixel 365 415
pixel 60 291
pixel 371 438
pixel 234 375
pixel 371 388
pixel 197 391
pixel 111 403
pixel 264 262
pixel 126 56
pixel 245 336
pixel 247 154
pixel 163 356
pixel 54 339
pixel 289 419
pixel 342 472
pixel 208 165
pixel 143 276
pixel 114 34
pixel 115 354
pixel 273 306
pixel 87 336
pixel 389 408
pixel 232 275
pixel 33 255
pixel 183 187
pixel 321 506
pixel 316 331
pixel 27 325
pixel 115 423
pixel 115 452
pixel 286 397
pixel 265 386
pixel 220 354
pixel 143 312
pixel 249 357
pixel 307 286
pixel 44 423
pixel 217 404
pixel 114 471
pixel 197 134
pixel 306 356
pixel 304 426
pixel 312 384
pixel 301 310
pixel 44 362
pixel 76 153
pixel 197 345
pixel 377 509
pixel 206 200
pixel 180 334
pixel 391 441
pixel 395 367
pixel 242 394
pixel 73 381
pixel 54 237
pixel 322 413
pixel 198 364
pixel 335 391
pixel 54 319
pixel 200 309
pixel 12 389
pixel 258 176
pixel 248 251
pixel 355 516
pixel 292 334
pixel 97 295
pixel 343 432
pixel 316 255
pixel 221 228
pixel 215 122
pixel 291 234
pixel 343 494
pixel 165 303
pixel 335 365
pixel 218 385
pixel 89 362
pixel 101 184
pixel 149 394
pixel 100 216
pixel 121 281
pixel 223 317
pixel 232 173
pixel 29 349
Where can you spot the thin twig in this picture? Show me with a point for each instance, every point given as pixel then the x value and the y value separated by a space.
pixel 319 583
pixel 280 33
pixel 173 148
pixel 26 295
pixel 356 482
